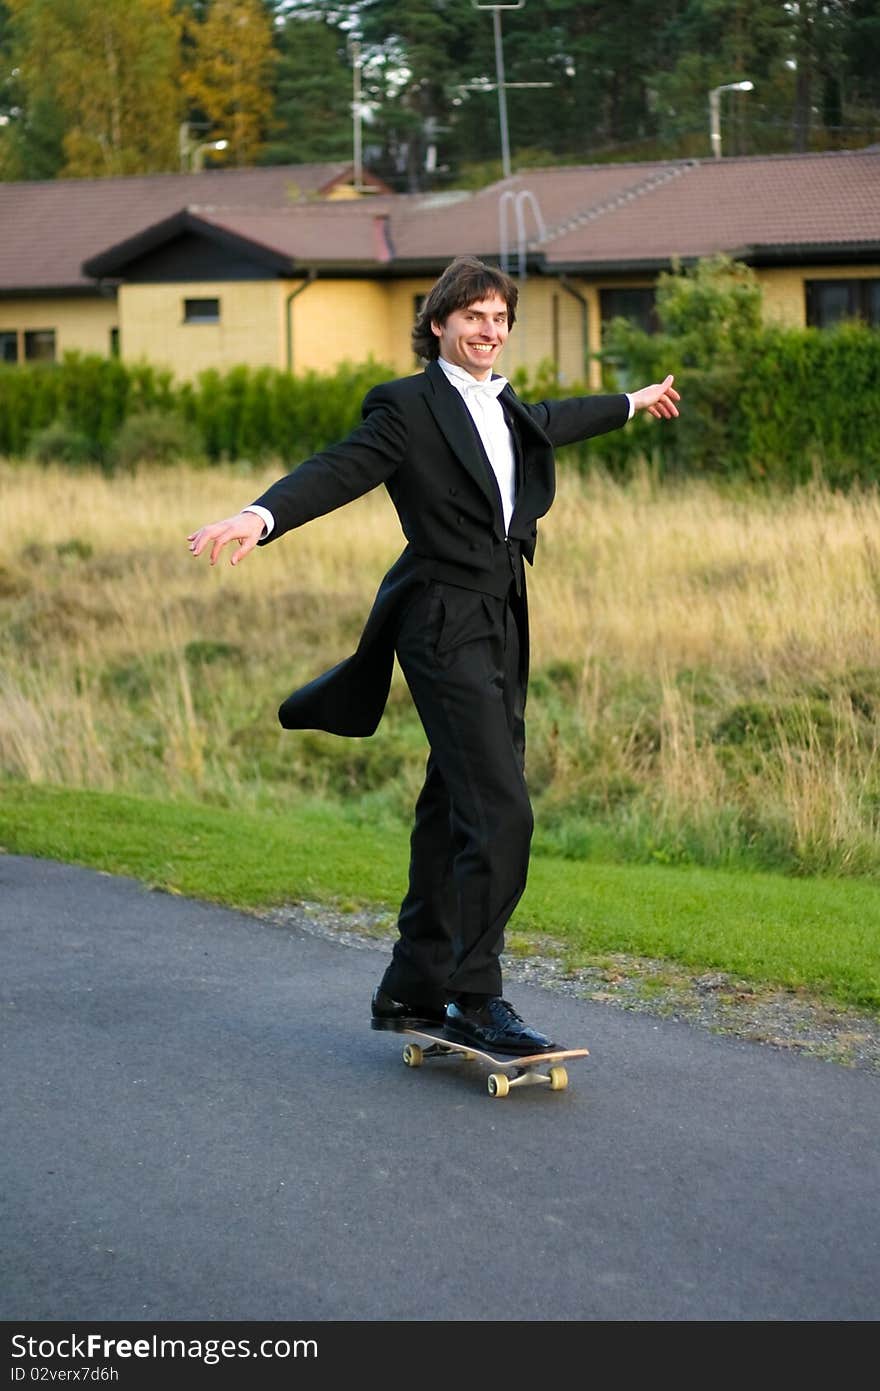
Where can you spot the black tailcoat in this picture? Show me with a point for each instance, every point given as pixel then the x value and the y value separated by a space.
pixel 417 437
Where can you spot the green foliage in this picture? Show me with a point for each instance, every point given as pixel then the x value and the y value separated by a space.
pixel 62 443
pixel 765 404
pixel 154 437
pixel 79 395
pixel 98 86
pixel 713 309
pixel 429 71
pixel 311 120
pixel 763 724
pixel 229 73
pixel 120 415
pixel 204 652
pixel 803 405
pixel 770 405
pixel 255 413
pixel 74 549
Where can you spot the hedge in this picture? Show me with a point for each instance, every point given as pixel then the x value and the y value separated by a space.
pixel 242 413
pixel 785 406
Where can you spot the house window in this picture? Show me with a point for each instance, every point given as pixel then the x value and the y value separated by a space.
pixel 829 302
pixel 201 311
pixel 637 305
pixel 39 345
pixel 8 345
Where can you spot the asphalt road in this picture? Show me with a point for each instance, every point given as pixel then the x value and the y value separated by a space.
pixel 200 1125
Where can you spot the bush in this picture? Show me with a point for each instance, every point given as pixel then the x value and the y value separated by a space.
pixel 782 406
pixel 256 413
pixel 62 443
pixel 90 395
pixel 764 404
pixel 155 437
pixel 132 414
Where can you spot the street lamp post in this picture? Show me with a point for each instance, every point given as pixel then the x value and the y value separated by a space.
pixel 192 155
pixel 499 73
pixel 198 153
pixel 357 112
pixel 715 111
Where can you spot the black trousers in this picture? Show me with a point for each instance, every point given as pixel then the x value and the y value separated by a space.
pixel 464 657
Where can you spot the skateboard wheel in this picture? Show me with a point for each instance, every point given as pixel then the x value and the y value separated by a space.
pixel 413 1055
pixel 558 1079
pixel 498 1084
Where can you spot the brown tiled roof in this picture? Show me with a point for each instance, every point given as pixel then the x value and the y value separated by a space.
pixel 480 222
pixel 741 206
pixel 601 216
pixel 650 212
pixel 320 233
pixel 49 229
pixel 340 235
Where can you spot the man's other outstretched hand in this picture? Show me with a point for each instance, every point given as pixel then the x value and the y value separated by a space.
pixel 245 527
pixel 658 400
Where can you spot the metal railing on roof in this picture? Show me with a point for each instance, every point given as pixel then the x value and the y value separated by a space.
pixel 515 201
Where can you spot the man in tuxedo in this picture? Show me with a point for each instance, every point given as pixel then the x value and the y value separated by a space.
pixel 470 470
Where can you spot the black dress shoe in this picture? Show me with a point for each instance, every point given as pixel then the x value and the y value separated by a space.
pixel 496 1027
pixel 395 1014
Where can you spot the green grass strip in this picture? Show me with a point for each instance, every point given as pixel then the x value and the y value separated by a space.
pixel 822 935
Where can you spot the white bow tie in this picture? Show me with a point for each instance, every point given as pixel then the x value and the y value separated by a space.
pixel 491 388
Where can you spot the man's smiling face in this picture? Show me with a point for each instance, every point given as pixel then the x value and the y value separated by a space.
pixel 473 337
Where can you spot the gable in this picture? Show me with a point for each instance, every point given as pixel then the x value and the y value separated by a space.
pixel 191 256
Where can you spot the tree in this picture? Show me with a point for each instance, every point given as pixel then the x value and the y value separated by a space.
pixel 433 71
pixel 709 317
pixel 96 86
pixel 229 74
pixel 10 126
pixel 818 41
pixel 413 52
pixel 98 82
pixel 311 119
pixel 713 42
pixel 863 56
pixel 599 77
pixel 812 62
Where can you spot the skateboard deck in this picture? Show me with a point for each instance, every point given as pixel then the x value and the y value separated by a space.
pixel 514 1069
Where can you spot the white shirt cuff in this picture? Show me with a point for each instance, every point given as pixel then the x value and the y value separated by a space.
pixel 267 518
pixel 629 417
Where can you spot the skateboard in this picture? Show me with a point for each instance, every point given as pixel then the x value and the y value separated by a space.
pixel 515 1070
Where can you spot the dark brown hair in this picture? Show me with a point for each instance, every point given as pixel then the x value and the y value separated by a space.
pixel 462 283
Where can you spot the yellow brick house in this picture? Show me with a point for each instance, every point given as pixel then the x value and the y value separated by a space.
pixel 214 269
pixel 50 306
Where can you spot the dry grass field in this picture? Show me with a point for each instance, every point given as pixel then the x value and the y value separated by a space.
pixel 706 670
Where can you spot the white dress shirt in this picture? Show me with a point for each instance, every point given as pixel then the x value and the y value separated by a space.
pixel 481 399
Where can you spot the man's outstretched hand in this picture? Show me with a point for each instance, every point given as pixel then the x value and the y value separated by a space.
pixel 658 400
pixel 245 527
